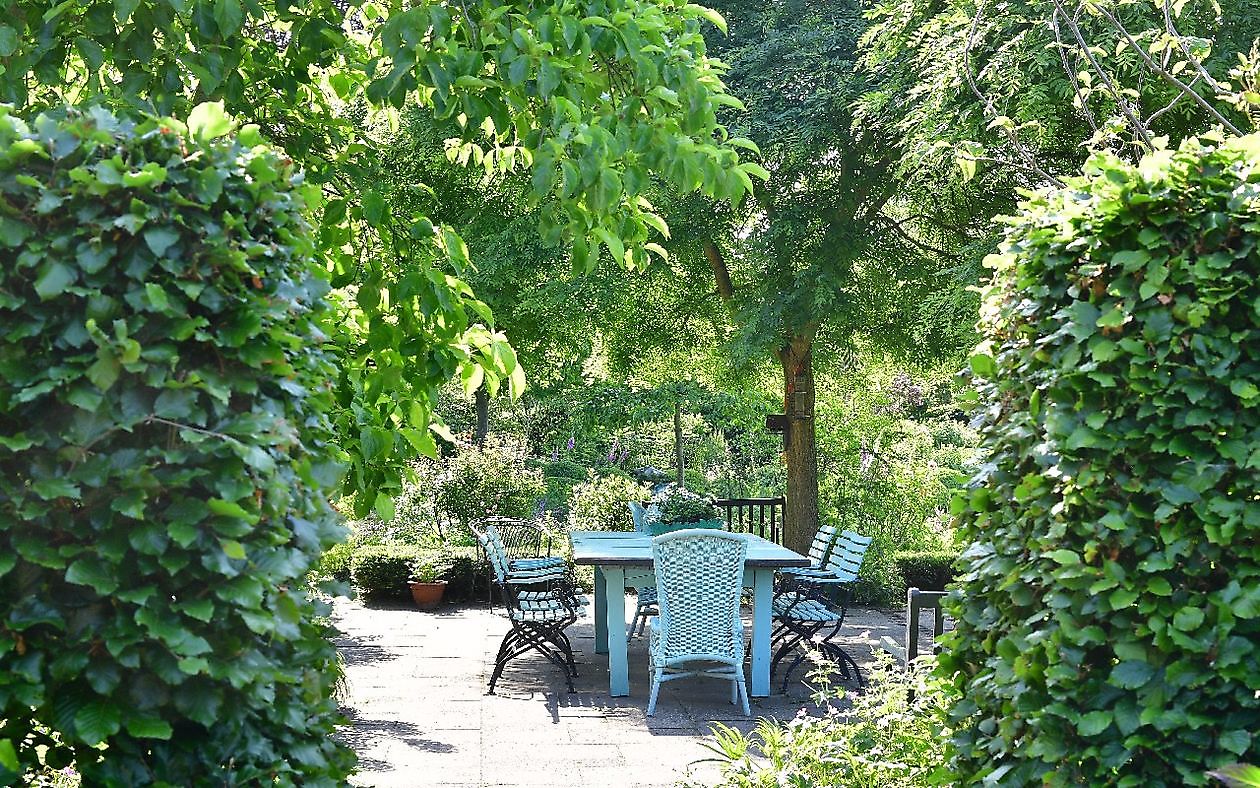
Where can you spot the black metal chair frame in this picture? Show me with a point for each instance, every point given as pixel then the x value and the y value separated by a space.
pixel 793 633
pixel 546 637
pixel 520 585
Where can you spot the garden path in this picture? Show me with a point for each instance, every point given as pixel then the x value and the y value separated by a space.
pixel 420 716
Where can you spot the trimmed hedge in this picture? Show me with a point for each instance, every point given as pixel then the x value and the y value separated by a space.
pixel 1109 613
pixel 926 570
pixel 382 571
pixel 336 562
pixel 164 463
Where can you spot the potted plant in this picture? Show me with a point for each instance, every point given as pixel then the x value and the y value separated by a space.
pixel 427 588
pixel 675 508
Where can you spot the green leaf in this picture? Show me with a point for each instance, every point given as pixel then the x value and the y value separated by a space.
pixel 230 509
pixel 94 572
pixel 228 16
pixel 8 42
pixel 123 9
pixel 54 278
pixel 707 13
pixel 384 506
pixel 1094 723
pixel 104 373
pixel 373 207
pixel 1065 557
pixel 209 120
pixel 156 295
pixel 13 232
pixel 1132 674
pixel 232 548
pixel 97 721
pixel 8 756
pixel 1188 618
pixel 160 238
pixel 149 728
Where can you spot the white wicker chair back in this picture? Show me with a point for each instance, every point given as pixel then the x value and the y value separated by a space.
pixel 699 579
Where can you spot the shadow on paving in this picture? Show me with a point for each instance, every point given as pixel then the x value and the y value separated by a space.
pixel 420 715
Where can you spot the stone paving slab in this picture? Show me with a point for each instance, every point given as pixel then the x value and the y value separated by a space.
pixel 420 716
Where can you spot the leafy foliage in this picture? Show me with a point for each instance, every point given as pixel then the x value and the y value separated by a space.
pixel 164 456
pixel 383 571
pixel 335 563
pixel 491 480
pixel 591 100
pixel 601 503
pixel 1111 601
pixel 890 735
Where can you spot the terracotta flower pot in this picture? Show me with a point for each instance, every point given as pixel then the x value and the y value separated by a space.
pixel 428 595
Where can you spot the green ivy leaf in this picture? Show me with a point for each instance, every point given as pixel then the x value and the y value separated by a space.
pixel 149 728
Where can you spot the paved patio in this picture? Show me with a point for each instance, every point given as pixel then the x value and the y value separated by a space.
pixel 420 715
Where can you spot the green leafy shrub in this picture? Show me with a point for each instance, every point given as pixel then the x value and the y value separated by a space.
pixel 602 503
pixel 164 471
pixel 466 574
pixel 382 571
pixel 491 480
pixel 1110 608
pixel 926 571
pixel 335 562
pixel 429 568
pixel 886 738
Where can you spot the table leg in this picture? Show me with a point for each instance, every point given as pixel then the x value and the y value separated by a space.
pixel 601 615
pixel 615 630
pixel 763 586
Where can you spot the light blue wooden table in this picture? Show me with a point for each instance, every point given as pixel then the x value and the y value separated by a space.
pixel 625 559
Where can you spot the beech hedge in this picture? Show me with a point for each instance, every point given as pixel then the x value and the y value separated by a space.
pixel 164 457
pixel 1109 606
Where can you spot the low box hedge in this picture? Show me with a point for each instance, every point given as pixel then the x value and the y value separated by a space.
pixel 383 571
pixel 926 570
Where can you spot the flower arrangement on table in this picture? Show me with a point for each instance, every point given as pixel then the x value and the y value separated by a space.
pixel 674 508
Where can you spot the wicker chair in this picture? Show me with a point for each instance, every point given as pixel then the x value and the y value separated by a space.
pixel 809 608
pixel 540 600
pixel 699 579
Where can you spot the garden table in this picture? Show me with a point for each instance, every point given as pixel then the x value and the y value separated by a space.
pixel 618 555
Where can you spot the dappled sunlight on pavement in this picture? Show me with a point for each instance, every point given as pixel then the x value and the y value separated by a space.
pixel 420 717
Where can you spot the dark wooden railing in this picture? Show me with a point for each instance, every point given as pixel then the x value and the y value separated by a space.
pixel 760 516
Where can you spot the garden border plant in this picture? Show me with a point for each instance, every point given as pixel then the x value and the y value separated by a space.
pixel 164 456
pixel 1110 603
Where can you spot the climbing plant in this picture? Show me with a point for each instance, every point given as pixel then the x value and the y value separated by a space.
pixel 1110 604
pixel 164 456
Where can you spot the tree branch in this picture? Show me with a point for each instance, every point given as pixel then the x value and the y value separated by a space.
pixel 1166 74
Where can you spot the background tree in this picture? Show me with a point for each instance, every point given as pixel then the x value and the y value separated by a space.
pixel 823 260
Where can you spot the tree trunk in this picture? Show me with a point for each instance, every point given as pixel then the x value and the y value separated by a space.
pixel 481 400
pixel 678 447
pixel 800 517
